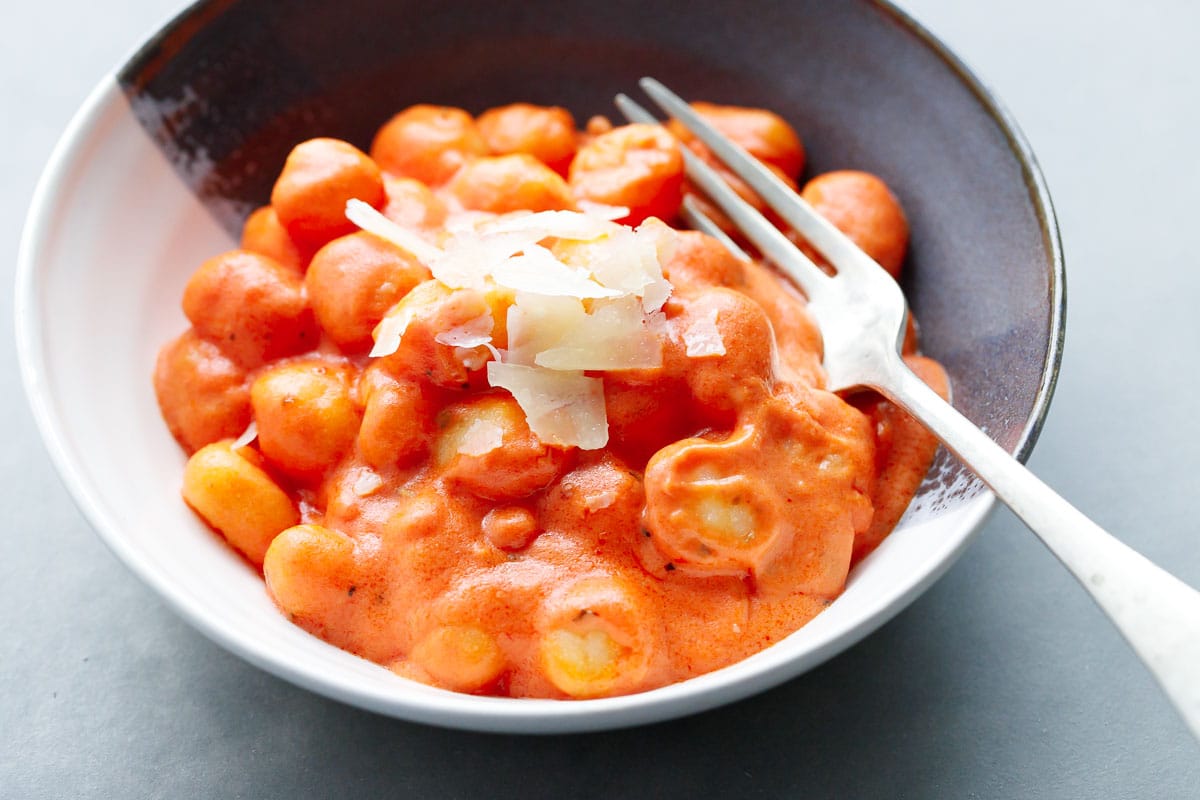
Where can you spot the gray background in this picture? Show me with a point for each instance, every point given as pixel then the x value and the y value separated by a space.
pixel 1003 681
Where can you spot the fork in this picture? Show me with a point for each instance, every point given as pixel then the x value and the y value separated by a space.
pixel 862 313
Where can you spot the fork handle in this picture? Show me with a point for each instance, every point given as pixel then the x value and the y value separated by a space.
pixel 1156 612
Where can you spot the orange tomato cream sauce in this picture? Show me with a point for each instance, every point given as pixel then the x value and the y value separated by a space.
pixel 483 416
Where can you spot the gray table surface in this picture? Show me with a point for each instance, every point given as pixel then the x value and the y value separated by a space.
pixel 1002 681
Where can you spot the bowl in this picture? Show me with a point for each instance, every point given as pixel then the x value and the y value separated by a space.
pixel 158 168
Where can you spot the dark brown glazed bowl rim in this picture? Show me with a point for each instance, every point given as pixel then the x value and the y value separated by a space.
pixel 1039 192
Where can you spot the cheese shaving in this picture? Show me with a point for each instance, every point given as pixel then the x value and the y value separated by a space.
pixel 538 322
pixel 468 338
pixel 388 334
pixel 623 259
pixel 248 436
pixel 703 337
pixel 601 210
pixel 557 224
pixel 598 501
pixel 665 241
pixel 466 221
pixel 483 436
pixel 559 333
pixel 472 357
pixel 391 328
pixel 537 271
pixel 563 408
pixel 582 293
pixel 370 220
pixel 469 259
pixel 367 483
pixel 471 333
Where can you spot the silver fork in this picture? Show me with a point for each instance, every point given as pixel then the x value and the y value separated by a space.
pixel 862 313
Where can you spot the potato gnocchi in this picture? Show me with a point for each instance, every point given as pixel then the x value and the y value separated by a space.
pixel 507 431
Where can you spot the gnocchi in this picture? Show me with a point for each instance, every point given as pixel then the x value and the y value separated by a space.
pixel 513 433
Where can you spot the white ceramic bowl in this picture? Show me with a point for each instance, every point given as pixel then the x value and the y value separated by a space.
pixel 112 236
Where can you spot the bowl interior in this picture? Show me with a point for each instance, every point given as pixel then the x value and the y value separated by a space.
pixel 226 89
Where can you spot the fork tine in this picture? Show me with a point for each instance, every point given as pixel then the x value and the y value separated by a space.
pixel 758 229
pixel 842 253
pixel 702 222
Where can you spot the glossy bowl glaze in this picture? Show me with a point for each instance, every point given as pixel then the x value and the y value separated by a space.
pixel 166 157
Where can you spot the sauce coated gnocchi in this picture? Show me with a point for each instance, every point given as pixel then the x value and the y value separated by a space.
pixel 599 461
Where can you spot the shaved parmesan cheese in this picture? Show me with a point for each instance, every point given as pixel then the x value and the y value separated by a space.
pixel 703 337
pixel 466 221
pixel 600 500
pixel 559 333
pixel 592 303
pixel 483 436
pixel 469 259
pixel 563 408
pixel 665 241
pixel 391 328
pixel 471 333
pixel 593 209
pixel 473 357
pixel 248 436
pixel 537 322
pixel 665 238
pixel 537 271
pixel 388 334
pixel 367 483
pixel 655 294
pixel 616 335
pixel 557 224
pixel 466 339
pixel 625 260
pixel 370 220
